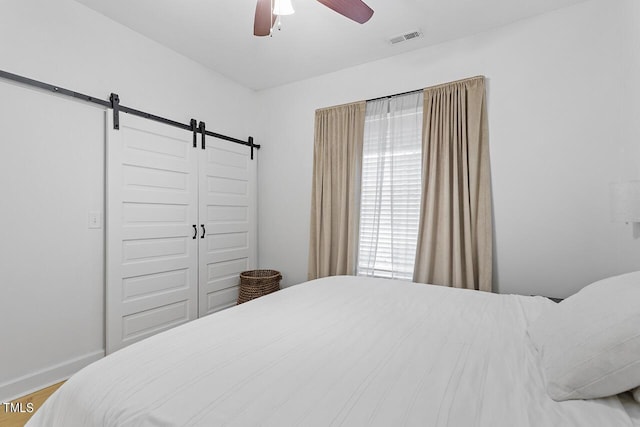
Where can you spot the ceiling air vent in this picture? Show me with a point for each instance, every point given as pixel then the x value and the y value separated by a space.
pixel 405 37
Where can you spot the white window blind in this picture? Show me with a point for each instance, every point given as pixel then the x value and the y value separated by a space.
pixel 391 187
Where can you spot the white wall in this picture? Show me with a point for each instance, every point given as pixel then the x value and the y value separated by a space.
pixel 51 264
pixel 629 149
pixel 52 174
pixel 558 91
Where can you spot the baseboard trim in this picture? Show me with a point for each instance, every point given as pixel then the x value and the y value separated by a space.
pixel 30 383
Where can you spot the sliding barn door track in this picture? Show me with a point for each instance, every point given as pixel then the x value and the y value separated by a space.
pixel 114 104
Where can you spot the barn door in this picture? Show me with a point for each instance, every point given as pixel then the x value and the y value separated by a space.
pixel 152 230
pixel 227 217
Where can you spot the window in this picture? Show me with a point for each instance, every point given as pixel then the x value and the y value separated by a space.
pixel 391 187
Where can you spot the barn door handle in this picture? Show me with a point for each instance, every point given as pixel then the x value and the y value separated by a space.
pixel 203 231
pixel 195 231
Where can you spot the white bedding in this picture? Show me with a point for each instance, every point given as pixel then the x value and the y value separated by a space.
pixel 343 351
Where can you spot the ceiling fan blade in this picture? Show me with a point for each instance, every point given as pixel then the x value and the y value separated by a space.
pixel 355 10
pixel 264 19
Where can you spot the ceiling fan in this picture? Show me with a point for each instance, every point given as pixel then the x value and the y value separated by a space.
pixel 269 11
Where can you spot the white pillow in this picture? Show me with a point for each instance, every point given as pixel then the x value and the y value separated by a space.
pixel 589 344
pixel 636 394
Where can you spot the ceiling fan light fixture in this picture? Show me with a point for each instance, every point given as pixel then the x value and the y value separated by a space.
pixel 283 7
pixel 268 13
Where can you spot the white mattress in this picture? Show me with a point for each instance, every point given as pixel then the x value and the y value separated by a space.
pixel 342 351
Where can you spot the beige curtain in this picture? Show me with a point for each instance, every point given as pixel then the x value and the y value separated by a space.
pixel 455 236
pixel 337 156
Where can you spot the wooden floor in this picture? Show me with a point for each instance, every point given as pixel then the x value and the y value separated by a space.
pixel 8 419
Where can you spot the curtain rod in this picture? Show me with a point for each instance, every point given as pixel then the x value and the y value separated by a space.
pixel 394 95
pixel 426 88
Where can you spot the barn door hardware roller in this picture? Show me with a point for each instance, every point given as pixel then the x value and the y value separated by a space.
pixel 203 131
pixel 115 106
pixel 194 129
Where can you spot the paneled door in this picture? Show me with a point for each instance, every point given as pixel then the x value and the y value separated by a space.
pixel 227 220
pixel 152 229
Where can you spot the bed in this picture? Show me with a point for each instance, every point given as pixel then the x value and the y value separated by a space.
pixel 339 351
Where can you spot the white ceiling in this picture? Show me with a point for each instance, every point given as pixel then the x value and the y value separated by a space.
pixel 313 41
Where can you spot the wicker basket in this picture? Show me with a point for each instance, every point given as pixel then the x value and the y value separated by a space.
pixel 256 283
